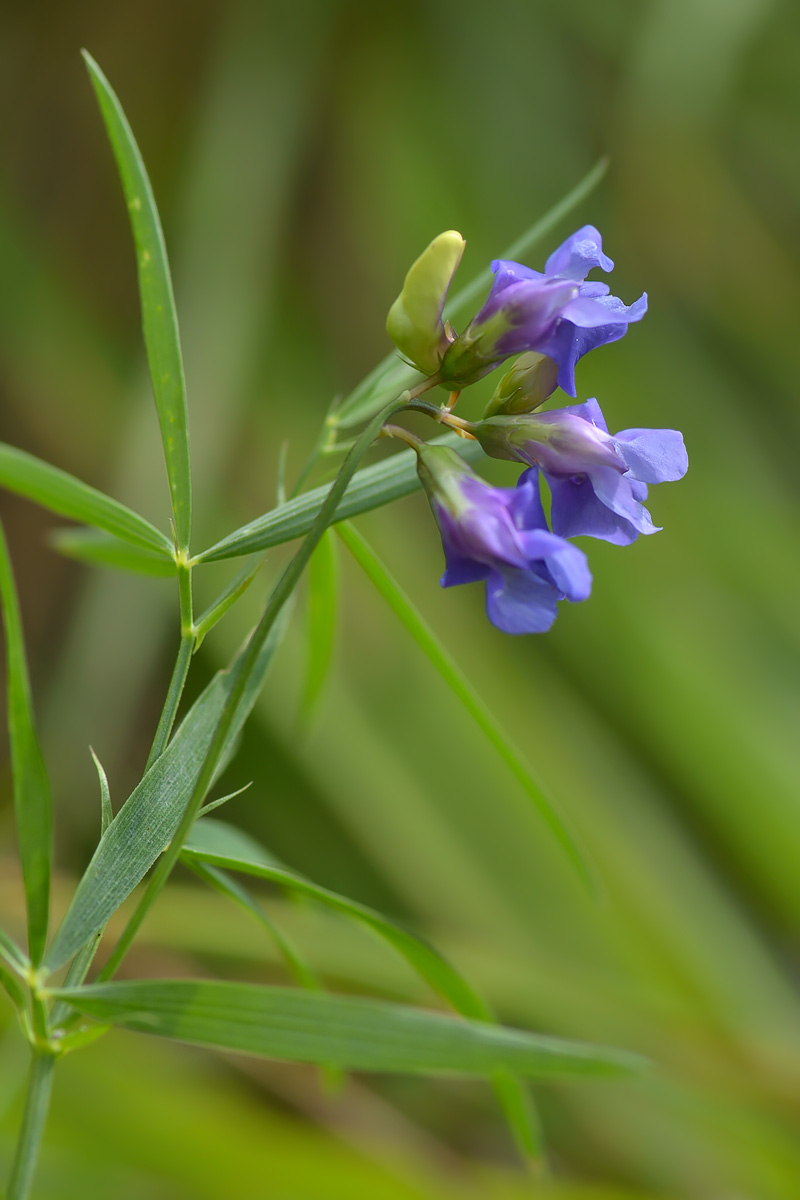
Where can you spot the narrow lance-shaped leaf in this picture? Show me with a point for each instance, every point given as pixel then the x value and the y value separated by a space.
pixel 33 804
pixel 159 319
pixel 221 845
pixel 370 488
pixel 147 821
pixel 452 674
pixel 216 611
pixel 302 972
pixel 10 951
pixel 392 375
pixel 61 493
pixel 356 1034
pixel 98 549
pixel 215 842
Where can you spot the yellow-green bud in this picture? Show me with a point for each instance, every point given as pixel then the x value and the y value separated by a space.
pixel 531 380
pixel 415 319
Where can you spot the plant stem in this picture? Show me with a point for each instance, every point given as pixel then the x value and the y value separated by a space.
pixel 283 590
pixel 167 718
pixel 37 1103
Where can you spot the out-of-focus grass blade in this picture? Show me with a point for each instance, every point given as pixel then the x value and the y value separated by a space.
pixel 364 1035
pixel 69 497
pixel 221 845
pixel 322 614
pixel 106 811
pixel 392 375
pixel 370 488
pixel 429 643
pixel 218 844
pixel 33 802
pixel 99 549
pixel 147 821
pixel 159 320
pixel 236 588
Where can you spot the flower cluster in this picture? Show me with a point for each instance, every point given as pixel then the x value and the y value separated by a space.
pixel 598 481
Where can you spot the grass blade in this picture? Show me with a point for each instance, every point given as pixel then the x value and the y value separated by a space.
pixel 302 972
pixel 216 844
pixel 357 1034
pixel 33 802
pixel 453 676
pixel 321 622
pixel 159 319
pixel 99 549
pixel 392 375
pixel 148 820
pixel 370 488
pixel 61 493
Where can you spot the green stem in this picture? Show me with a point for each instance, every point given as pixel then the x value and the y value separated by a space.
pixel 167 718
pixel 283 590
pixel 37 1103
pixel 452 674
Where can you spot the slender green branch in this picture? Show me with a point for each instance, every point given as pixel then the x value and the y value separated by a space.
pixel 452 674
pixel 37 1103
pixel 283 590
pixel 167 718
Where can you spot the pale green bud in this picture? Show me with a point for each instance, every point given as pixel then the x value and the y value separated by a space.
pixel 531 380
pixel 415 319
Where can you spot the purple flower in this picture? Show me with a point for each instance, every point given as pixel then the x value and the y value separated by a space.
pixel 500 535
pixel 554 313
pixel 598 482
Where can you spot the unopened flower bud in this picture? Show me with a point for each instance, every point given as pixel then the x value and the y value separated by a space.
pixel 415 319
pixel 531 380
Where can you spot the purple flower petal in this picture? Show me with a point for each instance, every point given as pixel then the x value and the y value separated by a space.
pixel 575 257
pixel 519 602
pixel 576 511
pixel 653 455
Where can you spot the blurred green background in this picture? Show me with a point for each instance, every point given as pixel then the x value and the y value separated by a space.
pixel 302 155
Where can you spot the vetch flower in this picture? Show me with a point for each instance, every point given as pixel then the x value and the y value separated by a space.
pixel 554 312
pixel 500 535
pixel 415 321
pixel 598 481
pixel 531 380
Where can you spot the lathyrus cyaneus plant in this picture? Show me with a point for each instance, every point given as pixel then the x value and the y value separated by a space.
pixel 598 482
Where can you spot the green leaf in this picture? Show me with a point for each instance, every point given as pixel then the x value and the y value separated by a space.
pixel 64 494
pixel 370 488
pixel 106 811
pixel 392 375
pixel 159 320
pixel 301 970
pixel 236 588
pixel 216 843
pixel 11 952
pixel 357 1034
pixel 13 988
pixel 33 802
pixel 100 549
pixel 145 824
pixel 452 674
pixel 321 623
pixel 221 845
